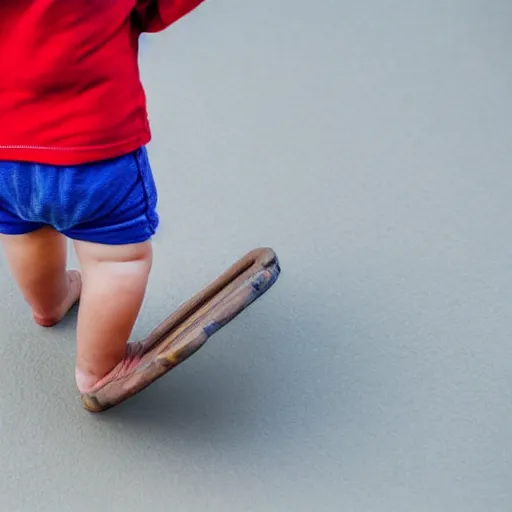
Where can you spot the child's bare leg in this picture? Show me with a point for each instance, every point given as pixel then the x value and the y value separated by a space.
pixel 38 263
pixel 114 284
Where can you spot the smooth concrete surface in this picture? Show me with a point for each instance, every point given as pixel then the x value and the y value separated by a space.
pixel 368 143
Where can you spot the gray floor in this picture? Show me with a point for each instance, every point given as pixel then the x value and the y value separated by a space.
pixel 369 144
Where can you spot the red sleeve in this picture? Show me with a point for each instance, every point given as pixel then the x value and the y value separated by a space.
pixel 156 15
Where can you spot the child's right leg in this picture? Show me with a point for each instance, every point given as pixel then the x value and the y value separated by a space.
pixel 114 283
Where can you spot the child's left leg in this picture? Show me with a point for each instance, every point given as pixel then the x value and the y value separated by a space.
pixel 38 262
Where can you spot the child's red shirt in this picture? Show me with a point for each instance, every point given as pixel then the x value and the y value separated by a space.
pixel 70 91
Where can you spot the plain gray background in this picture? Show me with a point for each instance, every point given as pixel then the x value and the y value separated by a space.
pixel 368 143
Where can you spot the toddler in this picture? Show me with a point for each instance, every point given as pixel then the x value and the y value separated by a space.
pixel 73 164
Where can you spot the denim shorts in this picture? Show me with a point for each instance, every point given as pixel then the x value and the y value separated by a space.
pixel 110 202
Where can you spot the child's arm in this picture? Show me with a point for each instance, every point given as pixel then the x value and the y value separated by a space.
pixel 156 15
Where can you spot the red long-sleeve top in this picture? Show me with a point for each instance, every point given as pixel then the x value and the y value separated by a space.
pixel 70 90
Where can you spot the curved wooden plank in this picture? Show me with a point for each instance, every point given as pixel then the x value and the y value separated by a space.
pixel 191 325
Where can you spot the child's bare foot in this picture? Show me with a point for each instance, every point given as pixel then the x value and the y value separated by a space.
pixel 74 290
pixel 88 383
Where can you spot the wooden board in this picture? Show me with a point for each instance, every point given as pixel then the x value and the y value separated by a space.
pixel 191 325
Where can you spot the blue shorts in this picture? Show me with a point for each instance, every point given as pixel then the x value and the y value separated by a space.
pixel 111 202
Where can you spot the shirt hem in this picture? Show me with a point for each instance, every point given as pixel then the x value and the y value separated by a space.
pixel 65 156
